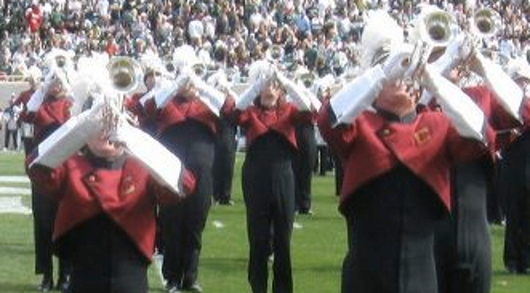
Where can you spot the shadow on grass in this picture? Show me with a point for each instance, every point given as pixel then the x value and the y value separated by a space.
pixel 506 273
pixel 15 287
pixel 223 263
pixel 15 249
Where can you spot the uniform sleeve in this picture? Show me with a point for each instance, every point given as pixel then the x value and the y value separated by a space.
pixel 233 114
pixel 165 196
pixel 302 115
pixel 465 149
pixel 337 137
pixel 525 112
pixel 46 179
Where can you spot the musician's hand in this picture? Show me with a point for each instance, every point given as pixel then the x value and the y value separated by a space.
pixel 397 63
pixel 459 48
pixel 477 63
pixel 281 78
pixel 188 91
pixel 50 77
pixel 427 78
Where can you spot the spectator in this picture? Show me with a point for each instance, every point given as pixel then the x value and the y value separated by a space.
pixel 34 16
pixel 10 117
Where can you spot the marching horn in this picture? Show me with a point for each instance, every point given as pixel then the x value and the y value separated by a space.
pixel 485 22
pixel 275 53
pixel 125 74
pixel 307 79
pixel 200 70
pixel 437 28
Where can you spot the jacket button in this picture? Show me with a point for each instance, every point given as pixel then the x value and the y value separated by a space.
pixel 385 132
pixel 92 178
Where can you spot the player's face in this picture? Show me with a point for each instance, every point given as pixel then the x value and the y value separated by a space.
pixel 102 147
pixel 270 94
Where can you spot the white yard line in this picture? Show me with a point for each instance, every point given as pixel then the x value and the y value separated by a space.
pixel 13 205
pixel 14 179
pixel 14 190
pixel 158 259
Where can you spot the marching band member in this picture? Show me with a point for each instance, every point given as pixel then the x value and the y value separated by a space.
pixel 462 241
pixel 225 148
pixel 396 162
pixel 513 182
pixel 187 118
pixel 305 159
pixel 153 71
pixel 22 100
pixel 268 181
pixel 106 184
pixel 47 109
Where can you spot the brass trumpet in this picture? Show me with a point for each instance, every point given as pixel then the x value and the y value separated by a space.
pixel 200 70
pixel 485 22
pixel 307 79
pixel 275 53
pixel 437 28
pixel 125 74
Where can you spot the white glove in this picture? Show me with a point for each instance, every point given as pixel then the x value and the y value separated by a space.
pixel 506 91
pixel 357 96
pixel 168 89
pixel 456 51
pixel 246 98
pixel 209 95
pixel 466 116
pixel 164 166
pixel 397 63
pixel 298 93
pixel 35 100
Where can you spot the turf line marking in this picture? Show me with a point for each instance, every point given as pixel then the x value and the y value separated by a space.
pixel 13 205
pixel 14 179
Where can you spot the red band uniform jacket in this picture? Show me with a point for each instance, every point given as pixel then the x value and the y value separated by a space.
pixel 23 99
pixel 51 114
pixel 257 121
pixel 126 195
pixel 179 110
pixel 372 146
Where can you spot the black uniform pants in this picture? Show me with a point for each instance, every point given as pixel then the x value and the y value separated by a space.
pixel 11 134
pixel 28 145
pixel 514 183
pixel 462 241
pixel 103 259
pixel 303 166
pixel 339 174
pixel 324 160
pixel 268 191
pixel 391 236
pixel 44 211
pixel 223 167
pixel 270 205
pixel 183 224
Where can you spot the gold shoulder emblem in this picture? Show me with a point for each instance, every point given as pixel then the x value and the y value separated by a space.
pixel 422 136
pixel 128 186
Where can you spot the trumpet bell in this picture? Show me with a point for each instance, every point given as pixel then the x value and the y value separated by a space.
pixel 485 22
pixel 60 61
pixel 125 73
pixel 308 79
pixel 437 28
pixel 275 53
pixel 200 70
pixel 58 58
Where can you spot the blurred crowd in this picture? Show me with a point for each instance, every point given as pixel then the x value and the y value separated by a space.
pixel 321 35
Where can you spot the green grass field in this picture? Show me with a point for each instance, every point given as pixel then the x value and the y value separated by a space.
pixel 317 247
